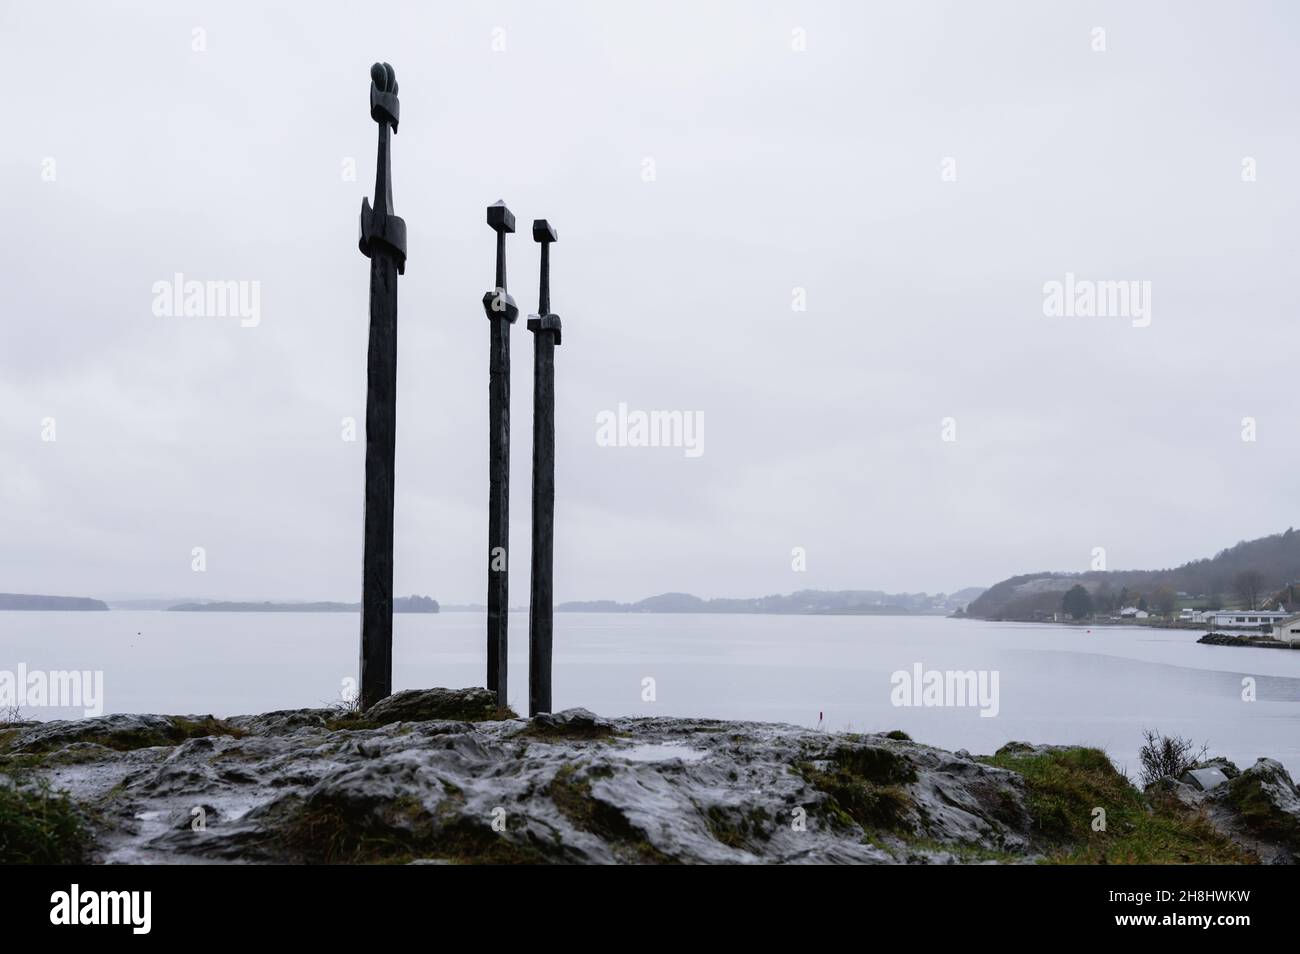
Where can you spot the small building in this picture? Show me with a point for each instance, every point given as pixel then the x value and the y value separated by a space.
pixel 1288 630
pixel 1232 618
pixel 1132 612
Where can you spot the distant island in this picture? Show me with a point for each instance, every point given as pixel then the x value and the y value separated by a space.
pixel 1253 575
pixel 23 601
pixel 802 603
pixel 402 604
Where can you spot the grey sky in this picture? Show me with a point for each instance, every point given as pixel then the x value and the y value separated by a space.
pixel 774 169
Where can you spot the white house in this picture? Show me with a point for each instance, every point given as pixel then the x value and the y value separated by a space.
pixel 1288 629
pixel 1132 612
pixel 1232 618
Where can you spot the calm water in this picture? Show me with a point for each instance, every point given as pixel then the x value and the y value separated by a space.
pixel 1056 684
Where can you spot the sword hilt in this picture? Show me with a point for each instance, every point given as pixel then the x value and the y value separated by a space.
pixel 498 302
pixel 380 224
pixel 544 233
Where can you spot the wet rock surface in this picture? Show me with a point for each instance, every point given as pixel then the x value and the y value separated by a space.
pixel 420 779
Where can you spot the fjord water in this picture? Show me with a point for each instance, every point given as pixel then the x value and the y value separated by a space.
pixel 1057 684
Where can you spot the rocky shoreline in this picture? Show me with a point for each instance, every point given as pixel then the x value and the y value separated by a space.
pixel 444 776
pixel 1231 639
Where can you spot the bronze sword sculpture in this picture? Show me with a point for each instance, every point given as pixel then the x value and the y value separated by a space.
pixel 383 241
pixel 546 338
pixel 502 312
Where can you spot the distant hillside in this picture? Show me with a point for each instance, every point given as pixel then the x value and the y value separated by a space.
pixel 1267 565
pixel 804 602
pixel 21 601
pixel 402 604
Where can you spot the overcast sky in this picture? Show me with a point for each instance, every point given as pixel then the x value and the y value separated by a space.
pixel 774 168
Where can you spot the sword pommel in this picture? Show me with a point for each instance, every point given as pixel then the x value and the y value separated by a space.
pixel 499 217
pixel 384 107
pixel 544 231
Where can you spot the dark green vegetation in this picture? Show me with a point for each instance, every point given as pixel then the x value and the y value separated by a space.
pixel 1253 574
pixel 1077 602
pixel 1065 786
pixel 579 730
pixel 865 785
pixel 39 826
pixel 334 831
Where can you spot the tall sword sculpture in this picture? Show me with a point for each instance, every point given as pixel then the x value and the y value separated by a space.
pixel 546 338
pixel 502 312
pixel 383 241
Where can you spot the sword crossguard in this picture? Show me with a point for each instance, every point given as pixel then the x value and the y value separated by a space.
pixel 387 229
pixel 498 303
pixel 538 323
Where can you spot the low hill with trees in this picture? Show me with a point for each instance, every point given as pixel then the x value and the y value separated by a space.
pixel 1253 574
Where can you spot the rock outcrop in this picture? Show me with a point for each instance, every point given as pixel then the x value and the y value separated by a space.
pixel 1258 808
pixel 444 776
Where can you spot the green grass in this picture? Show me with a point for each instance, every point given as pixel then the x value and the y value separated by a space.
pixel 40 827
pixel 543 732
pixel 352 720
pixel 1065 786
pixel 864 785
pixel 331 832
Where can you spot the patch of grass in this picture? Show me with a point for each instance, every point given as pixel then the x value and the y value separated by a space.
pixel 353 720
pixel 331 832
pixel 571 731
pixel 898 735
pixel 41 827
pixel 738 829
pixel 880 766
pixel 1065 786
pixel 572 796
pixel 866 786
